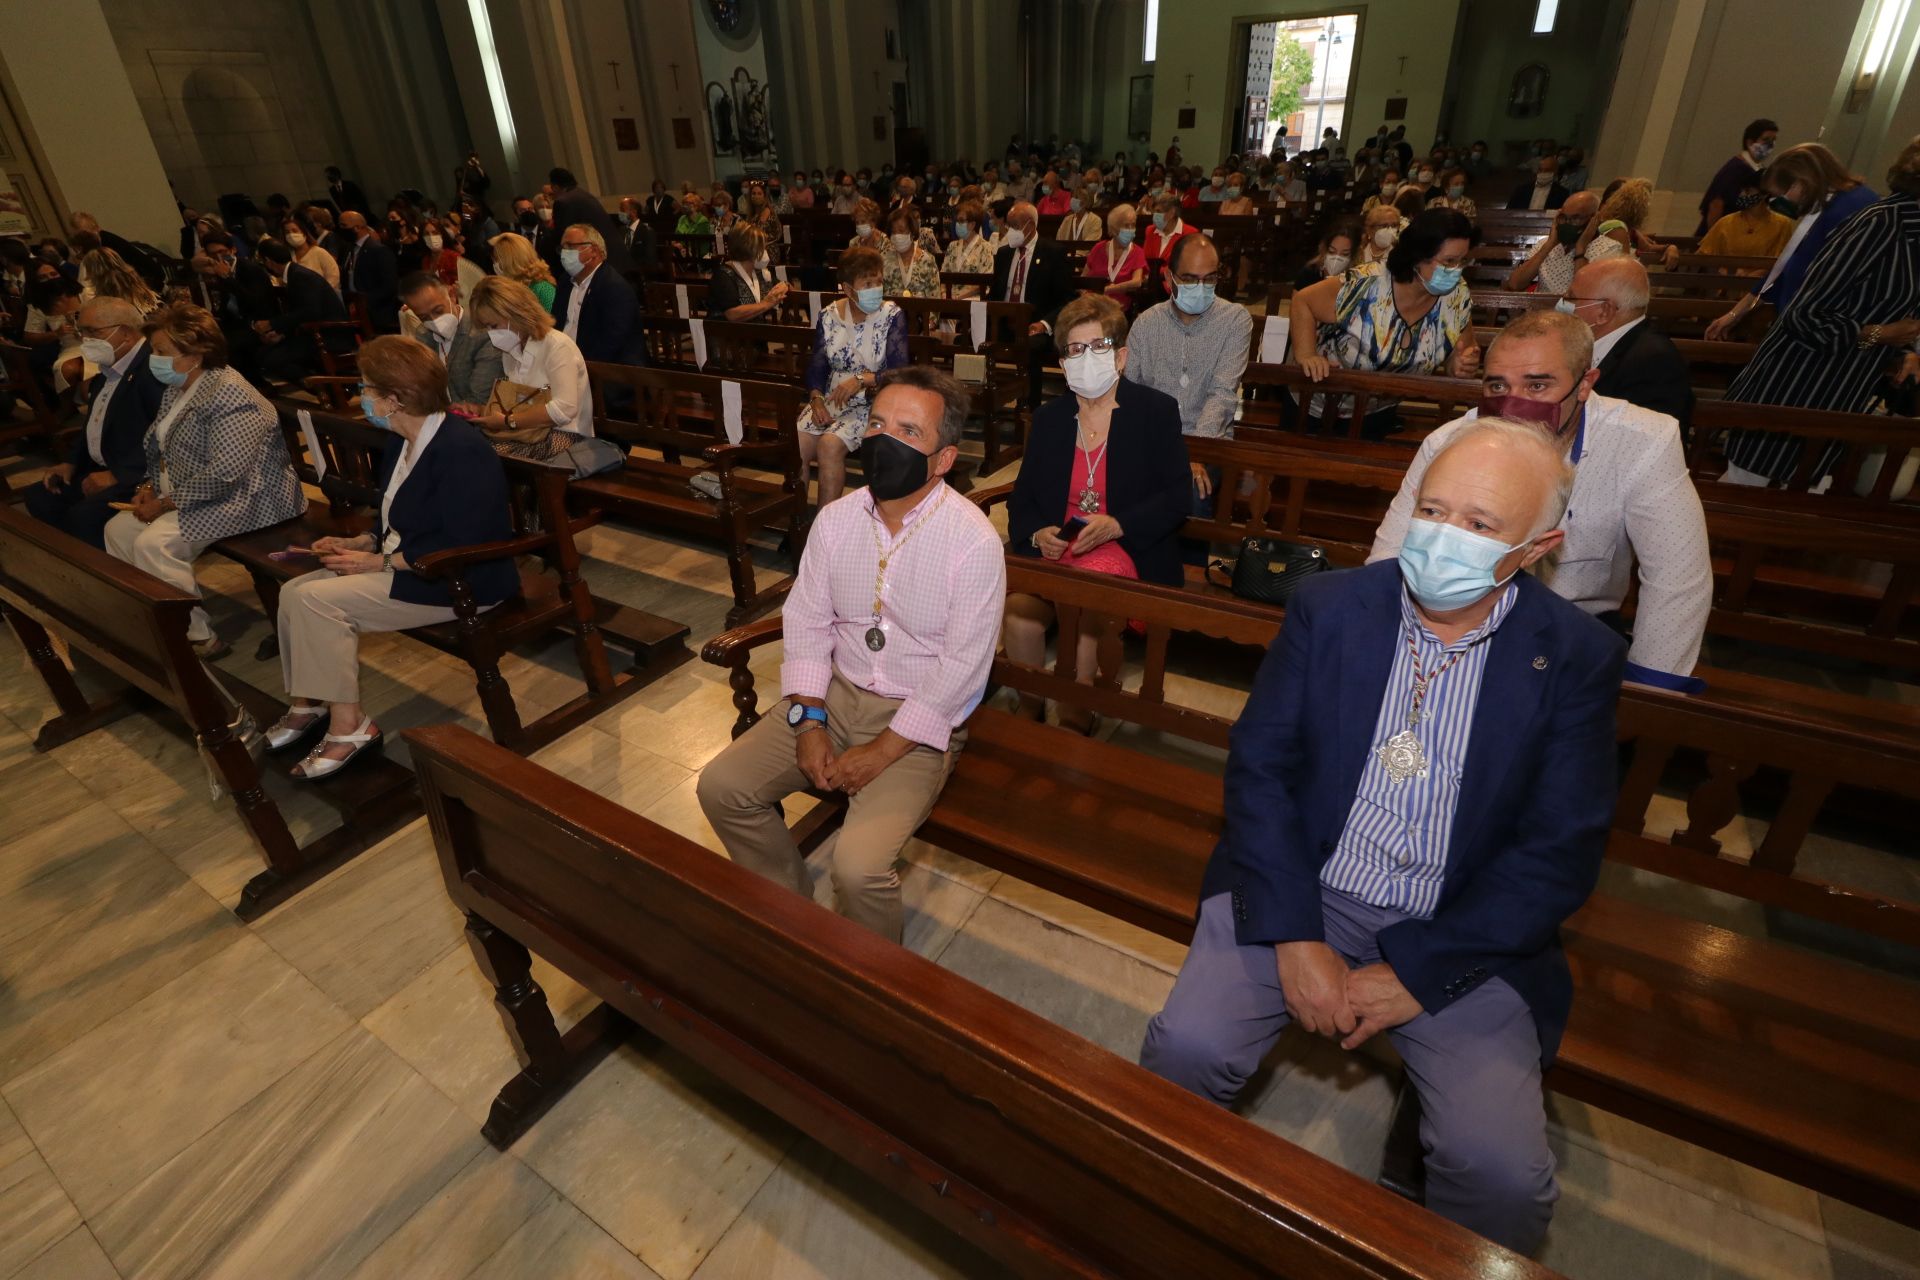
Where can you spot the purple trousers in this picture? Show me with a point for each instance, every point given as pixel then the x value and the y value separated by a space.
pixel 1476 1065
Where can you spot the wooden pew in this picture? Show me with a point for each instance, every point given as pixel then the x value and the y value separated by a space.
pixel 1793 1062
pixel 136 627
pixel 553 595
pixel 678 416
pixel 1015 1134
pixel 17 377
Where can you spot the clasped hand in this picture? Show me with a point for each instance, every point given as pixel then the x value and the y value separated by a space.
pixel 347 555
pixel 1348 1005
pixel 850 771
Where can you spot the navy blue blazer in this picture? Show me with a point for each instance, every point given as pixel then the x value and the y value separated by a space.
pixel 609 318
pixel 123 435
pixel 455 496
pixel 1536 796
pixel 1149 484
pixel 374 274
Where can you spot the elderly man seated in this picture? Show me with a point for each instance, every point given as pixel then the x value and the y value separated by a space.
pixel 1417 795
pixel 1551 265
pixel 1637 362
pixel 1633 501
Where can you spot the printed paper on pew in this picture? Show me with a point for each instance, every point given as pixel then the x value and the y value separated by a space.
pixel 813 306
pixel 780 274
pixel 313 444
pixel 680 301
pixel 1273 340
pixel 698 328
pixel 786 234
pixel 730 412
pixel 977 312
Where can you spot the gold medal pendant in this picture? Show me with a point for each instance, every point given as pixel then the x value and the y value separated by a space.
pixel 1402 757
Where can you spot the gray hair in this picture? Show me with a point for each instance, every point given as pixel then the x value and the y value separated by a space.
pixel 1573 334
pixel 1529 437
pixel 112 311
pixel 591 232
pixel 956 400
pixel 1622 281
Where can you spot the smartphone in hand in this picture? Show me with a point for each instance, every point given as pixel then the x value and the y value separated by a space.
pixel 1071 530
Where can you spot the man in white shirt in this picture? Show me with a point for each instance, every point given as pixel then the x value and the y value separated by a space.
pixel 108 459
pixel 1633 499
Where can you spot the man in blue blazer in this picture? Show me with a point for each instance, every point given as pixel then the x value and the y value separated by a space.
pixel 598 308
pixel 108 459
pixel 1418 794
pixel 371 271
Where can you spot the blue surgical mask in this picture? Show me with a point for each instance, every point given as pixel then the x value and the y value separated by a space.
pixel 1443 281
pixel 1075 204
pixel 1124 236
pixel 162 368
pixel 1232 193
pixel 366 411
pixel 1446 567
pixel 1160 222
pixel 1193 298
pixel 1566 307
pixel 570 261
pixel 961 230
pixel 869 300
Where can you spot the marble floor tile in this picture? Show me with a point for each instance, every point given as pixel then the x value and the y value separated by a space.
pixel 373 926
pixel 618 768
pixel 35 1214
pixel 482 1207
pixel 1143 945
pixel 303 1182
pixel 951 865
pixel 1075 983
pixel 445 1026
pixel 1614 1222
pixel 126 1097
pixel 935 906
pixel 559 1240
pixel 658 1152
pixel 819 1218
pixel 1316 1095
pixel 679 810
pixel 93 936
pixel 76 1257
pixel 1864 1246
pixel 39 791
pixel 683 717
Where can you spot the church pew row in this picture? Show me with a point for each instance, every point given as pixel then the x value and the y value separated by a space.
pixel 135 626
pixel 553 594
pixel 1054 1156
pixel 678 420
pixel 1793 1062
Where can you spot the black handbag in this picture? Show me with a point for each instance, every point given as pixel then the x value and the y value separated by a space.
pixel 1269 570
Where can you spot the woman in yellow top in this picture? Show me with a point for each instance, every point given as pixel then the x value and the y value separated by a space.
pixel 1752 230
pixel 514 258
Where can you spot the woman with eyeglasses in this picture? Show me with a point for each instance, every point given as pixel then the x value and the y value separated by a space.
pixel 1104 487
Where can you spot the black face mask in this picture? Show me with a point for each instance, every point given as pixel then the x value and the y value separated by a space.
pixel 1569 232
pixel 894 468
pixel 1782 205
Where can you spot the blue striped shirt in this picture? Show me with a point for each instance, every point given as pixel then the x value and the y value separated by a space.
pixel 1393 852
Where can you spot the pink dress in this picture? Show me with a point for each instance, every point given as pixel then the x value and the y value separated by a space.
pixel 1101 266
pixel 1108 557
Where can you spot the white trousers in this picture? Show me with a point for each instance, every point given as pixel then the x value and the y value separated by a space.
pixel 159 549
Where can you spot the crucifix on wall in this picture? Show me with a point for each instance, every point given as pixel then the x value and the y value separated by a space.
pixel 616 74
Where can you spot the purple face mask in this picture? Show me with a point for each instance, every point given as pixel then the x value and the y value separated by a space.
pixel 1520 409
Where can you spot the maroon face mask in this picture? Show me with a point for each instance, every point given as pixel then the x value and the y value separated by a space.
pixel 1521 409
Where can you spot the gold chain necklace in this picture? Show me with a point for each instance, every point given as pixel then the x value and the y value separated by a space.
pixel 876 637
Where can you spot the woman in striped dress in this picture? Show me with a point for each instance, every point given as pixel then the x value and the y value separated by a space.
pixel 1851 317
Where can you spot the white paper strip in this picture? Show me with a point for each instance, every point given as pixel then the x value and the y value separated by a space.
pixel 813 306
pixel 977 313
pixel 698 328
pixel 1273 340
pixel 313 444
pixel 786 234
pixel 780 274
pixel 730 412
pixel 680 301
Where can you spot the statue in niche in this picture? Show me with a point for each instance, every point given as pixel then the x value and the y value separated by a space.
pixel 750 101
pixel 720 109
pixel 1529 95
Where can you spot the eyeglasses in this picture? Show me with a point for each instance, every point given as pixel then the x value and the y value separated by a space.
pixel 1100 345
pixel 1213 279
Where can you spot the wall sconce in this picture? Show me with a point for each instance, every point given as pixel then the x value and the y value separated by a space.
pixel 1887 21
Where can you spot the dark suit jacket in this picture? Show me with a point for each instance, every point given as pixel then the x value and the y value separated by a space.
pixel 455 496
pixel 1149 485
pixel 579 205
pixel 1050 281
pixel 643 245
pixel 348 196
pixel 726 289
pixel 1646 369
pixel 609 318
pixel 1536 795
pixel 307 296
pixel 124 432
pixel 375 276
pixel 1522 197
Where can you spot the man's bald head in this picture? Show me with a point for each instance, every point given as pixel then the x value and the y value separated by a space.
pixel 1024 216
pixel 352 223
pixel 1582 205
pixel 1611 292
pixel 1500 479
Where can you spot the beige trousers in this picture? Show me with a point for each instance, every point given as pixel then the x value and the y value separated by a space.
pixel 322 617
pixel 741 788
pixel 159 549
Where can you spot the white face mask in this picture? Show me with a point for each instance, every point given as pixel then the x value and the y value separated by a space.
pixel 445 325
pixel 1335 263
pixel 295 239
pixel 505 339
pixel 902 242
pixel 1016 237
pixel 762 261
pixel 433 242
pixel 546 215
pixel 98 350
pixel 1091 374
pixel 1384 238
pixel 862 230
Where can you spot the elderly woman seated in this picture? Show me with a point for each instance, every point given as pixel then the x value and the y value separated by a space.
pixel 1105 487
pixel 443 487
pixel 217 466
pixel 858 337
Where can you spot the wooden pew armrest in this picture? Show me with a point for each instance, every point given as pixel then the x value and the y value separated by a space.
pixel 732 650
pixel 988 499
pixel 725 457
pixel 441 564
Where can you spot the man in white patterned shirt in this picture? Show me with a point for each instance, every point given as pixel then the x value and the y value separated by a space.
pixel 1633 500
pixel 890 631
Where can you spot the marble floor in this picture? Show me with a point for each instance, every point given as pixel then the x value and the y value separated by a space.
pixel 182 1095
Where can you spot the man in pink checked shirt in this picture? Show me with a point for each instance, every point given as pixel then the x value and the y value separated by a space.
pixel 890 631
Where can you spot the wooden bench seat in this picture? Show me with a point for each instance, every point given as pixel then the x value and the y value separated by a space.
pixel 1054 1156
pixel 1762 1027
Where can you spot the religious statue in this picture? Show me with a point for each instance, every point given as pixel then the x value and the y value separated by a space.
pixel 720 108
